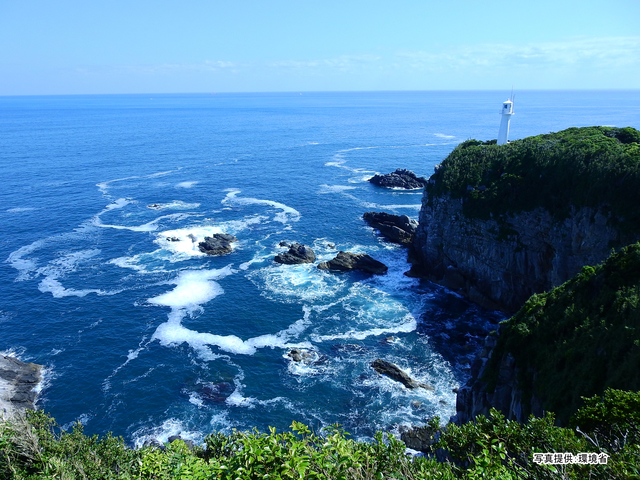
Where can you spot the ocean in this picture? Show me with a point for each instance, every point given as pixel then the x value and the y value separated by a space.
pixel 147 337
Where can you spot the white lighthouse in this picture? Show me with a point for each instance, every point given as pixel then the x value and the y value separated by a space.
pixel 506 112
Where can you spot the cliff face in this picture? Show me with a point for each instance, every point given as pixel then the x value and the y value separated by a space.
pixel 501 264
pixel 17 385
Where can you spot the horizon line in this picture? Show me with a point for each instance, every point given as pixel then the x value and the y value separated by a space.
pixel 301 92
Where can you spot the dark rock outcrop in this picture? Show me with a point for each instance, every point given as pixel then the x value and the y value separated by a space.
pixel 395 373
pixel 418 438
pixel 17 383
pixel 475 398
pixel 306 356
pixel 297 254
pixel 396 228
pixel 217 392
pixel 347 261
pixel 217 244
pixel 498 265
pixel 401 178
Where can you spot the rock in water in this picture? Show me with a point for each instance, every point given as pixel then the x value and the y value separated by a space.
pixel 303 355
pixel 401 178
pixel 397 228
pixel 297 254
pixel 346 261
pixel 394 373
pixel 217 244
pixel 17 382
pixel 418 438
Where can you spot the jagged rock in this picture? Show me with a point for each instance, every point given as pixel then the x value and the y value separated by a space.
pixel 154 443
pixel 154 206
pixel 346 261
pixel 474 399
pixel 476 258
pixel 297 254
pixel 303 355
pixel 217 392
pixel 217 244
pixel 17 382
pixel 418 438
pixel 397 228
pixel 401 178
pixel 173 239
pixel 188 443
pixel 395 373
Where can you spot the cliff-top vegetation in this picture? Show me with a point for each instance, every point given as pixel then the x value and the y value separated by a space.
pixel 595 167
pixel 579 338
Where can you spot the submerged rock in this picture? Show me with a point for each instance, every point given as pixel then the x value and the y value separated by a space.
pixel 217 392
pixel 347 261
pixel 17 383
pixel 297 254
pixel 396 228
pixel 217 244
pixel 304 355
pixel 401 178
pixel 395 373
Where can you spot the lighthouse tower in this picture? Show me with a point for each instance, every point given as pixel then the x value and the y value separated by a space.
pixel 506 112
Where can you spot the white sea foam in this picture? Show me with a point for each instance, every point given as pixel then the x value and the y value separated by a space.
pixel 25 265
pixel 292 283
pixel 104 186
pixel 193 289
pixel 324 189
pixel 442 135
pixel 61 267
pixel 147 227
pixel 175 205
pixel 286 215
pixel 20 209
pixel 186 184
pixel 168 428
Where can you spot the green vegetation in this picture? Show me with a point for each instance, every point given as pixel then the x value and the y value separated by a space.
pixel 579 338
pixel 492 448
pixel 581 167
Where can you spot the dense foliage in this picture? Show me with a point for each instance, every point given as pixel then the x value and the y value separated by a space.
pixel 579 338
pixel 581 167
pixel 492 448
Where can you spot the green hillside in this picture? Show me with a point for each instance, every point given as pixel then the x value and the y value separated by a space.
pixel 579 338
pixel 590 166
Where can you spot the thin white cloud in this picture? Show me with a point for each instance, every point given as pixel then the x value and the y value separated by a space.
pixel 342 63
pixel 612 52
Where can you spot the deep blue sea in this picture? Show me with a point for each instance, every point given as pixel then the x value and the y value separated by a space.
pixel 147 337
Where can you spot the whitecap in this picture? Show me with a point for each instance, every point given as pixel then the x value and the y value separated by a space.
pixel 442 135
pixel 186 184
pixel 20 209
pixel 147 227
pixel 324 189
pixel 175 205
pixel 169 428
pixel 287 214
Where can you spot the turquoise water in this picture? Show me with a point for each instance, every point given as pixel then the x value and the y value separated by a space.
pixel 146 337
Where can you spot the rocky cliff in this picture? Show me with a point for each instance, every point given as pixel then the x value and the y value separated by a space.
pixel 499 223
pixel 17 385
pixel 500 264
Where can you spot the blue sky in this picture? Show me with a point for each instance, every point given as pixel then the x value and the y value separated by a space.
pixel 164 46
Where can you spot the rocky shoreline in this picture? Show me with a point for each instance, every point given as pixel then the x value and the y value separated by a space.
pixel 18 382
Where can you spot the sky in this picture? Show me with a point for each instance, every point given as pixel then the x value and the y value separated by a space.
pixel 188 46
